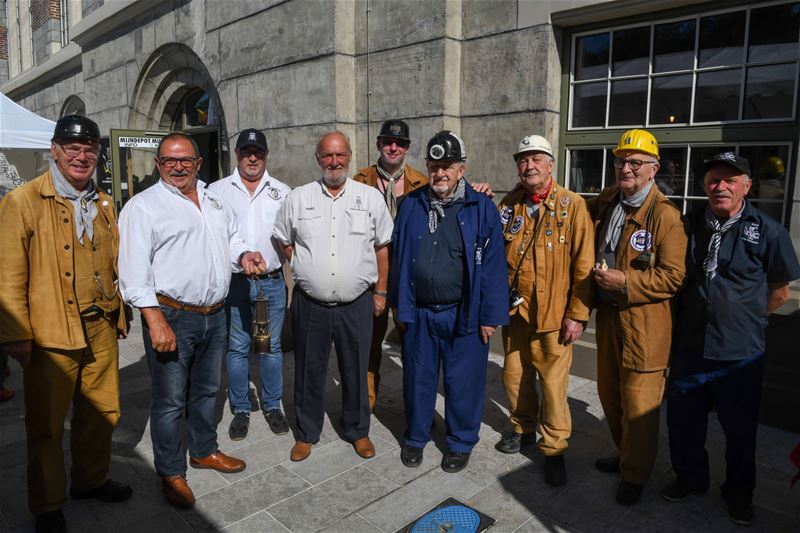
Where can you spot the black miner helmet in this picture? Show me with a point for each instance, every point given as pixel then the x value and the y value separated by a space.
pixel 76 127
pixel 396 129
pixel 445 146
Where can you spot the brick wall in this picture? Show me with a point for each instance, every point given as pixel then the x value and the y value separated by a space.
pixel 3 42
pixel 42 11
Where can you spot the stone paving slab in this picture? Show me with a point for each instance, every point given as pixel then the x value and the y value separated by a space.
pixel 337 491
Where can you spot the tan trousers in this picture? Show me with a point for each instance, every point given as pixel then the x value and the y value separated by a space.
pixel 630 399
pixel 89 380
pixel 529 356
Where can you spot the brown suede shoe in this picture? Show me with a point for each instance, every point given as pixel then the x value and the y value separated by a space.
pixel 177 491
pixel 300 450
pixel 364 447
pixel 220 462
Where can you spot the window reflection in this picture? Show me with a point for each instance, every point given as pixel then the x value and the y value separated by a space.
pixel 671 99
pixel 768 166
pixel 721 39
pixel 592 57
pixel 589 108
pixel 773 33
pixel 631 51
pixel 717 95
pixel 671 174
pixel 628 102
pixel 673 46
pixel 770 91
pixel 586 170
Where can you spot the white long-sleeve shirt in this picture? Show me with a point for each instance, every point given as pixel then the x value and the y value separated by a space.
pixel 254 214
pixel 169 246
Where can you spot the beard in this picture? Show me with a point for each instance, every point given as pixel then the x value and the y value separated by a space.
pixel 332 180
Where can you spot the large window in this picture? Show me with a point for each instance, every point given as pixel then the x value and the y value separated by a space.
pixel 728 66
pixel 704 81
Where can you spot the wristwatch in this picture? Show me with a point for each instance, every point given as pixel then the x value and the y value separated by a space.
pixel 380 293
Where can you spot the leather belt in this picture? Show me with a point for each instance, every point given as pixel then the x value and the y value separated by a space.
pixel 165 300
pixel 275 274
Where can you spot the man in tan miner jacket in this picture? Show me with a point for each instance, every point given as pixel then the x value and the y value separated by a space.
pixel 641 250
pixel 549 242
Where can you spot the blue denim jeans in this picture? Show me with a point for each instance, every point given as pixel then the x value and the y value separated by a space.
pixel 185 381
pixel 240 326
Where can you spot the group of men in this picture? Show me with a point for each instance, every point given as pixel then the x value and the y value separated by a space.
pixel 430 246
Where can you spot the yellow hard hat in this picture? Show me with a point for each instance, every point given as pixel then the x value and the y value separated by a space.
pixel 773 165
pixel 639 140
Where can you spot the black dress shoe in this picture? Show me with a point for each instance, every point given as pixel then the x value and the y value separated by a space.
pixel 109 492
pixel 276 421
pixel 555 473
pixel 608 464
pixel 512 442
pixel 678 490
pixel 629 493
pixel 411 456
pixel 239 426
pixel 51 522
pixel 740 507
pixel 454 462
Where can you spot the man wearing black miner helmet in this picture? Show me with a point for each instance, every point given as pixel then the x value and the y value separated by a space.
pixel 449 292
pixel 60 317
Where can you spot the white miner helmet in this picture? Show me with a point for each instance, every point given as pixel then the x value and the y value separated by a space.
pixel 534 143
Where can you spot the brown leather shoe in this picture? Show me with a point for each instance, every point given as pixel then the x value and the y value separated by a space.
pixel 220 462
pixel 300 450
pixel 177 491
pixel 364 447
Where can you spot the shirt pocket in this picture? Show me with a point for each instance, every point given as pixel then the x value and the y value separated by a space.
pixel 309 224
pixel 357 221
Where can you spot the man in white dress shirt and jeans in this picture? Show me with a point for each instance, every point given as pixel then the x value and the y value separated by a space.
pixel 254 197
pixel 335 233
pixel 178 243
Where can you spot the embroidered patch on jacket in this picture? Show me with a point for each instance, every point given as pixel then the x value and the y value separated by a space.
pixel 751 233
pixel 517 225
pixel 641 240
pixel 505 214
pixel 274 193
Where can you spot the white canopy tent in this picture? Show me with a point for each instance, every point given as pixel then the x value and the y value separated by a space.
pixel 24 138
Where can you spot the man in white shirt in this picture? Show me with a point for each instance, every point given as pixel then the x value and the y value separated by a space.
pixel 254 197
pixel 335 233
pixel 178 243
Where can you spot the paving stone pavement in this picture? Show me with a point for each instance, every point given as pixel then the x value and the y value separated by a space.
pixel 334 490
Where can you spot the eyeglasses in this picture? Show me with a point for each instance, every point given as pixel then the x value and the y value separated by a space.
pixel 74 150
pixel 400 143
pixel 635 164
pixel 171 162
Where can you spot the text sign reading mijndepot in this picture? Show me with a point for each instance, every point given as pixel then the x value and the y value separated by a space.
pixel 139 142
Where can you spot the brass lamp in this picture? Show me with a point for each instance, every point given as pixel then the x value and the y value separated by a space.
pixel 261 329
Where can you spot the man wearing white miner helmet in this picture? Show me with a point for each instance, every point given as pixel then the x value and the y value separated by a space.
pixel 549 244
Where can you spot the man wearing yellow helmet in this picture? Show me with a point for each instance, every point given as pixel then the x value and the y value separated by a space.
pixel 641 245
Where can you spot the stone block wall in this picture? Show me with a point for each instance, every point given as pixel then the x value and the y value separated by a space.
pixel 46 28
pixel 296 68
pixel 3 43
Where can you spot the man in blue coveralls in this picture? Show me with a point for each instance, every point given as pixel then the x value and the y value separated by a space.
pixel 449 293
pixel 739 264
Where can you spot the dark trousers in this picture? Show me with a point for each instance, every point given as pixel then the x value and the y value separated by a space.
pixel 429 339
pixel 185 382
pixel 734 388
pixel 349 327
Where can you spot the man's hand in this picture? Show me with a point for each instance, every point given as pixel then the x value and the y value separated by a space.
pixel 571 331
pixel 486 332
pixel 611 279
pixel 19 350
pixel 379 302
pixel 483 188
pixel 253 263
pixel 161 335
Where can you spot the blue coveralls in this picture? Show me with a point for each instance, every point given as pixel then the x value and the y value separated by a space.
pixel 452 334
pixel 718 346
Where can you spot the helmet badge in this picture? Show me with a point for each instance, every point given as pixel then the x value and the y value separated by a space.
pixel 436 151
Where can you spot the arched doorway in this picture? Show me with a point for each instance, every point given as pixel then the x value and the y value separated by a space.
pixel 176 92
pixel 73 105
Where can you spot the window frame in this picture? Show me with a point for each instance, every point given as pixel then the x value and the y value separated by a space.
pixel 651 22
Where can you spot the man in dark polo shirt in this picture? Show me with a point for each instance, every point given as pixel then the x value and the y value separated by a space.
pixel 449 292
pixel 739 265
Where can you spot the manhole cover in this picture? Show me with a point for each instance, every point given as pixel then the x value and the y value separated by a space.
pixel 450 516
